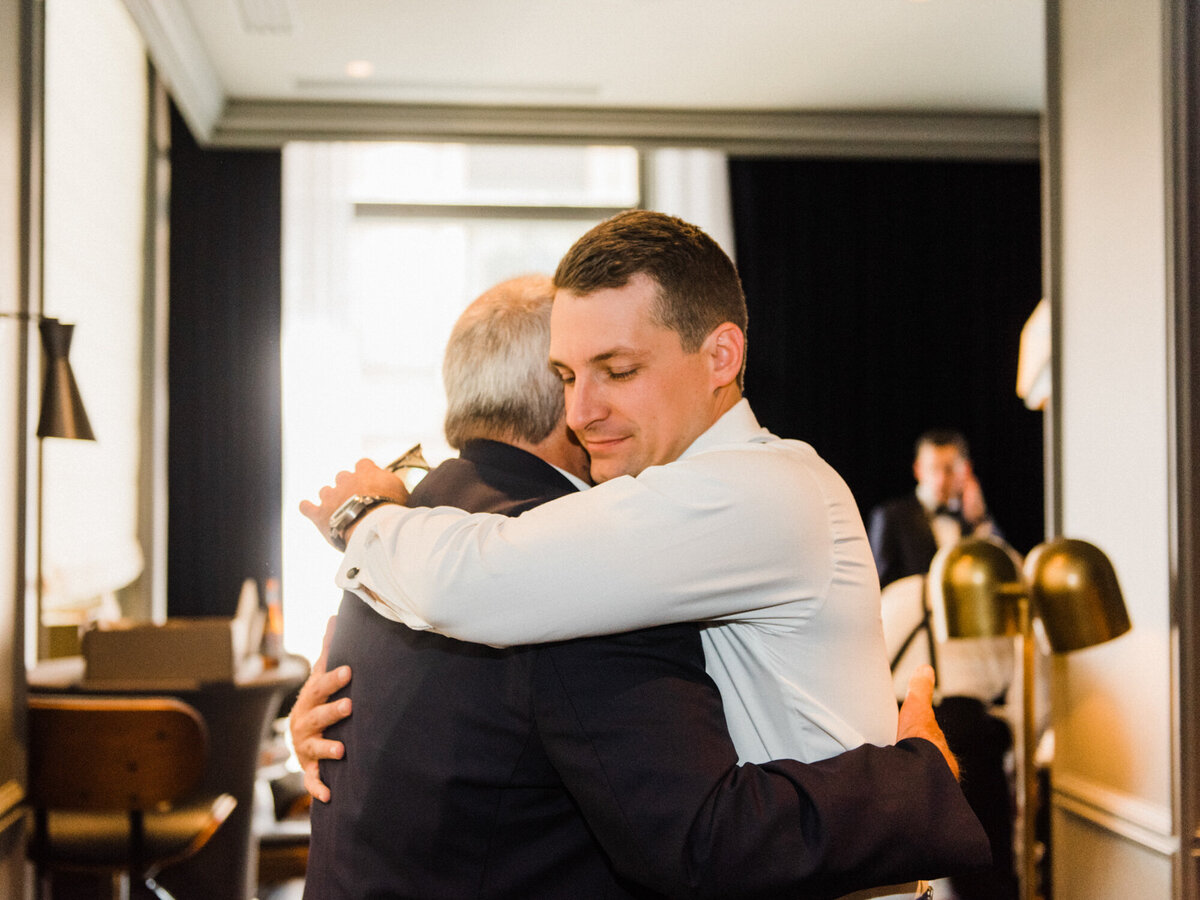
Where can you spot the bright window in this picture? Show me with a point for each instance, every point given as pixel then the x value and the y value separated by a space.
pixel 384 245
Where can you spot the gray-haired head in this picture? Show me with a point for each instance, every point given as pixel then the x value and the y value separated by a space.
pixel 498 382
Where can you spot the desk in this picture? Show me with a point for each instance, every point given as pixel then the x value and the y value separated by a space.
pixel 237 713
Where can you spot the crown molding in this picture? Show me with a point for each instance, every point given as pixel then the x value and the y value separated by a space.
pixel 181 61
pixel 258 123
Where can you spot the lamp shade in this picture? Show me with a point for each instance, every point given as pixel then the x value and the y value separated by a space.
pixel 62 412
pixel 968 582
pixel 1073 587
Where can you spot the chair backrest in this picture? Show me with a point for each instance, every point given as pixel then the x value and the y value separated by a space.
pixel 113 753
pixel 971 667
pixel 902 606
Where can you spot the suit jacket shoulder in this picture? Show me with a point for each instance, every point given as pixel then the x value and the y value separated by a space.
pixel 901 540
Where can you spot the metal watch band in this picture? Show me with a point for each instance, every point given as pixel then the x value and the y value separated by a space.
pixel 350 512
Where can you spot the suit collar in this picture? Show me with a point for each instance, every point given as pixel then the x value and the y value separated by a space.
pixel 496 454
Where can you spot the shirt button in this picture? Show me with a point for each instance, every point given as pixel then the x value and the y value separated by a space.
pixel 352 573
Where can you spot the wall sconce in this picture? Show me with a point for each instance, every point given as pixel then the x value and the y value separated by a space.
pixel 61 415
pixel 62 412
pixel 977 589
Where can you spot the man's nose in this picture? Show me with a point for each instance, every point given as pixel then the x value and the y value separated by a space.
pixel 583 405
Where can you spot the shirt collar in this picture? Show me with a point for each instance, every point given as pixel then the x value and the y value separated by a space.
pixel 931 505
pixel 579 483
pixel 737 425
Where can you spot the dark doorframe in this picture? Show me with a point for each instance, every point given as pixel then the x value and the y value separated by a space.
pixel 21 32
pixel 1181 24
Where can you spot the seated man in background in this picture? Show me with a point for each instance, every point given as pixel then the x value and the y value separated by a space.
pixel 743 527
pixel 947 505
pixel 973 675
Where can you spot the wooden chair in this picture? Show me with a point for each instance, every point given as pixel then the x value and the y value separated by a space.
pixel 112 782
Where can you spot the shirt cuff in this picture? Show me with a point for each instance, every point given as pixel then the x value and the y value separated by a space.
pixel 354 572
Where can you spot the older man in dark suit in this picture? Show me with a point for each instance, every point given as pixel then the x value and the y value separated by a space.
pixel 597 767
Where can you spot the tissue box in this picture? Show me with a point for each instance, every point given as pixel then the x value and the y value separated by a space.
pixel 184 649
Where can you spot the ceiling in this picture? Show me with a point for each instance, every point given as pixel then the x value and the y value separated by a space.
pixel 308 65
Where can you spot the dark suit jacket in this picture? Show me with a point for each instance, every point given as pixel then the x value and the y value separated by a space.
pixel 901 539
pixel 577 769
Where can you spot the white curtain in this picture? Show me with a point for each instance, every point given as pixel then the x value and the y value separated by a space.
pixel 95 168
pixel 693 185
pixel 408 278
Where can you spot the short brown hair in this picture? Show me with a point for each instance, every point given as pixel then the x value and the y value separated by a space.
pixel 698 285
pixel 943 437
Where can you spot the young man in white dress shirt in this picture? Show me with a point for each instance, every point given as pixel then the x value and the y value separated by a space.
pixel 699 513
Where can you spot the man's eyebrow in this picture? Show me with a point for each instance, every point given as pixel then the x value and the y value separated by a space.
pixel 603 357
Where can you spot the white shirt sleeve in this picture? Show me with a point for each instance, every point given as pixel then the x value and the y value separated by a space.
pixel 740 534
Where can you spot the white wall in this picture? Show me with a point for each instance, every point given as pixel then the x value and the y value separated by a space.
pixel 95 172
pixel 1112 704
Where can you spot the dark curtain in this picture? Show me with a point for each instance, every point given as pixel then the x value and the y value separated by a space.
pixel 224 435
pixel 887 297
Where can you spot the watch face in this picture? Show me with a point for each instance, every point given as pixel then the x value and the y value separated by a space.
pixel 341 519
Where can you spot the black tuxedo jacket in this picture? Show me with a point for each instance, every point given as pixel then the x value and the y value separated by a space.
pixel 593 768
pixel 901 539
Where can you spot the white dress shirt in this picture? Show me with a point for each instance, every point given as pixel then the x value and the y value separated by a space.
pixel 754 534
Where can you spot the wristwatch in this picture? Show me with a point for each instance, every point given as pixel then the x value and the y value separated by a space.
pixel 350 512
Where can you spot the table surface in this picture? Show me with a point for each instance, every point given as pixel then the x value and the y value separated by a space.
pixel 68 673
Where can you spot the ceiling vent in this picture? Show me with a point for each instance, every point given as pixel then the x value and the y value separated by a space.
pixel 265 16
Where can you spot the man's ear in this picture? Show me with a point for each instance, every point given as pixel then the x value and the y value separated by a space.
pixel 725 348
